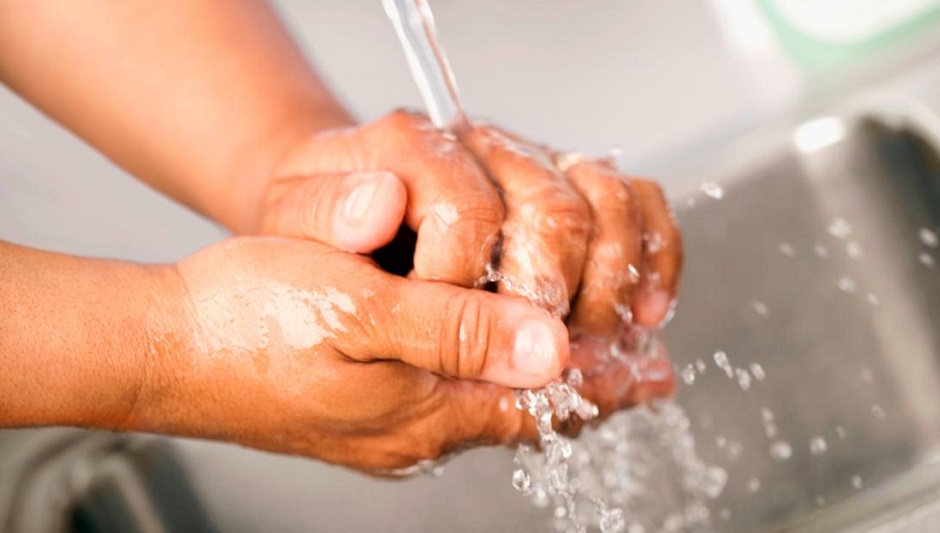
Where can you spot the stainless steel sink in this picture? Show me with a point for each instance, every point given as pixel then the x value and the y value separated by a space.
pixel 846 328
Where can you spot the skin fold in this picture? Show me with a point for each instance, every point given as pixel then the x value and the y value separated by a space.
pixel 289 336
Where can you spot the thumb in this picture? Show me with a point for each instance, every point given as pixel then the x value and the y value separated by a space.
pixel 356 212
pixel 466 333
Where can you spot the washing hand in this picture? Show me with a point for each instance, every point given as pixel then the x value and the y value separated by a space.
pixel 295 347
pixel 590 244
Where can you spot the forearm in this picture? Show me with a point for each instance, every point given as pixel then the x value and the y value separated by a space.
pixel 75 345
pixel 199 98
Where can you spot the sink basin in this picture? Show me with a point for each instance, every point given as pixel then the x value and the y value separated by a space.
pixel 811 266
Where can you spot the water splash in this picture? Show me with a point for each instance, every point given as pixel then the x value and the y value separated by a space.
pixel 929 238
pixel 780 450
pixel 839 228
pixel 818 446
pixel 638 472
pixel 713 190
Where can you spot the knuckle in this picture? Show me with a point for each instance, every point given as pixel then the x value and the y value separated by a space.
pixel 571 210
pixel 406 120
pixel 481 213
pixel 468 334
pixel 315 213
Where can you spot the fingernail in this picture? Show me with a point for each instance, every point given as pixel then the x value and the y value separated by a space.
pixel 534 351
pixel 359 200
pixel 658 307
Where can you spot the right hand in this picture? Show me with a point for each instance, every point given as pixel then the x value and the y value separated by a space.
pixel 295 347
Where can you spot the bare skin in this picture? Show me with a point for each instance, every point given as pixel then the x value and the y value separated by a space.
pixel 210 102
pixel 271 354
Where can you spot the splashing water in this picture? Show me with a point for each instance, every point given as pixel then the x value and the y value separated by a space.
pixel 722 362
pixel 713 190
pixel 604 477
pixel 637 472
pixel 929 238
pixel 780 450
pixel 818 446
pixel 839 228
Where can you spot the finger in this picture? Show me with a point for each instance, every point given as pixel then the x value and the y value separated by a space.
pixel 356 212
pixel 461 333
pixel 662 256
pixel 547 222
pixel 611 270
pixel 452 205
pixel 616 377
pixel 486 414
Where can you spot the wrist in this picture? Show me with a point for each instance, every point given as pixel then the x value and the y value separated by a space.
pixel 164 343
pixel 261 164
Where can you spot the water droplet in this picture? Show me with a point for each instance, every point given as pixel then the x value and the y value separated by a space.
pixel 700 366
pixel 612 521
pixel 758 371
pixel 872 299
pixel 688 374
pixel 781 450
pixel 575 378
pixel 856 482
pixel 818 446
pixel 866 375
pixel 616 151
pixel 847 284
pixel 753 485
pixel 633 273
pixel 929 238
pixel 926 259
pixel 760 307
pixel 713 190
pixel 786 249
pixel 878 411
pixel 714 481
pixel 504 403
pixel 839 228
pixel 744 379
pixel 521 481
pixel 770 426
pixel 722 362
pixel 734 449
pixel 854 250
pixel 725 514
pixel 821 251
pixel 840 432
pixel 654 242
pixel 820 500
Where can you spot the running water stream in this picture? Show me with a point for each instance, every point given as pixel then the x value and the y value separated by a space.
pixel 639 471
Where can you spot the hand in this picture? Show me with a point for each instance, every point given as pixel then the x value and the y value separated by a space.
pixel 295 347
pixel 567 226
